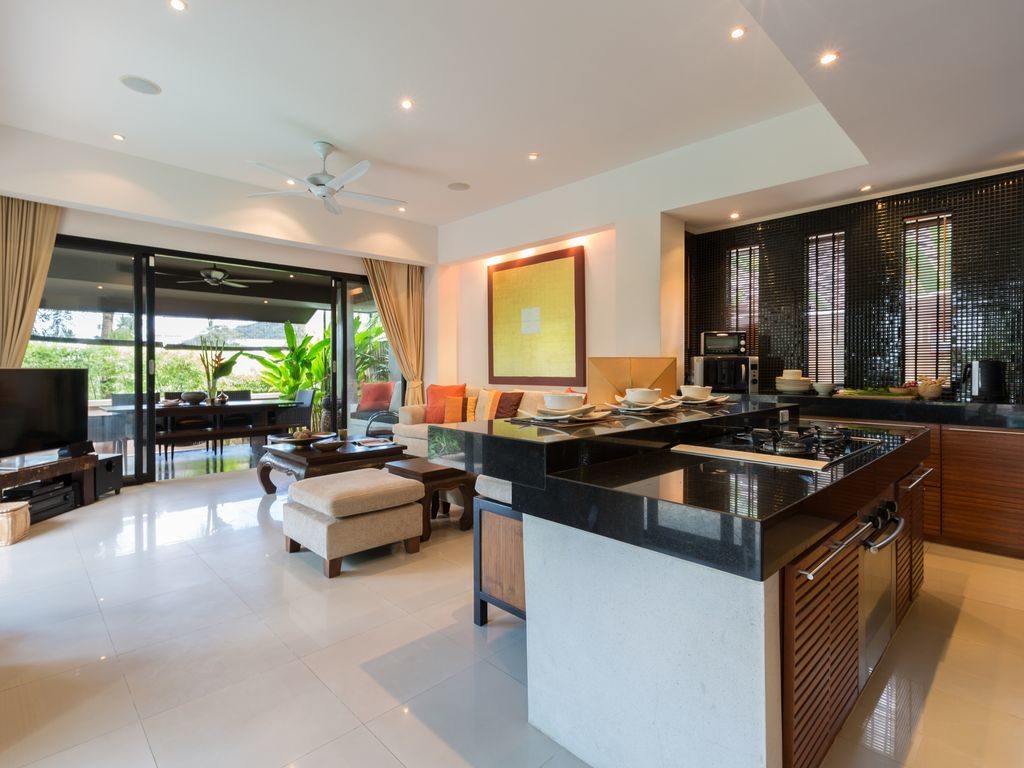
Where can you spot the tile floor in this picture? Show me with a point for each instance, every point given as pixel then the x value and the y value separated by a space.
pixel 167 627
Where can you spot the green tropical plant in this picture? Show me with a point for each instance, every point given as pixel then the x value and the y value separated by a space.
pixel 215 365
pixel 371 348
pixel 289 369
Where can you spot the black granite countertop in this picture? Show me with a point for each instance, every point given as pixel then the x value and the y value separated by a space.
pixel 988 415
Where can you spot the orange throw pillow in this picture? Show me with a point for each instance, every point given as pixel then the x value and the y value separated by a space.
pixel 437 394
pixel 458 409
pixel 376 396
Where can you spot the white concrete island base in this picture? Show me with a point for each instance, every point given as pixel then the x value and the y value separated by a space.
pixel 636 659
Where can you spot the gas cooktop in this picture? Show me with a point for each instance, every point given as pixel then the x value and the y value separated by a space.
pixel 814 447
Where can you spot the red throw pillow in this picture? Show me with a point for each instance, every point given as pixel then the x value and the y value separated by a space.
pixel 376 396
pixel 436 396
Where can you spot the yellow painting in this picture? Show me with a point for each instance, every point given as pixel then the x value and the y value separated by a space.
pixel 537 331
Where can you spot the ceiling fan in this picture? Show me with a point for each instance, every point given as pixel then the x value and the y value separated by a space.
pixel 324 185
pixel 217 277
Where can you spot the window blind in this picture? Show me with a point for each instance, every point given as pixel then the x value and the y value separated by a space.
pixel 744 276
pixel 927 321
pixel 826 306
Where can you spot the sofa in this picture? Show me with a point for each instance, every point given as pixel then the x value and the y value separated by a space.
pixel 411 429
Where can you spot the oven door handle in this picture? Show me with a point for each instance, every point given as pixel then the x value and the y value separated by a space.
pixel 878 546
pixel 836 548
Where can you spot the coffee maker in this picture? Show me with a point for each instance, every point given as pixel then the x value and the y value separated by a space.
pixel 985 381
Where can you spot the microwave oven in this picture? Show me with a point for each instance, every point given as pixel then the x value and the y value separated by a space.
pixel 727 373
pixel 723 342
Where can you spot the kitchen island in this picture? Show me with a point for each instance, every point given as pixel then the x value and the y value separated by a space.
pixel 664 603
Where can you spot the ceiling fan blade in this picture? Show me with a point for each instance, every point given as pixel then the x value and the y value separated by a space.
pixel 241 280
pixel 353 173
pixel 233 284
pixel 277 171
pixel 331 204
pixel 371 198
pixel 183 282
pixel 282 193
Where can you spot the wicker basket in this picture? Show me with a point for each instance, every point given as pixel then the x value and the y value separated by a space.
pixel 14 522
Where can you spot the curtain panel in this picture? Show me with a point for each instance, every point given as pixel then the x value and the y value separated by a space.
pixel 27 234
pixel 398 291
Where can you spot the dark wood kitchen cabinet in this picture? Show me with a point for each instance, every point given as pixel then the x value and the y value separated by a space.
pixel 910 498
pixel 820 651
pixel 983 488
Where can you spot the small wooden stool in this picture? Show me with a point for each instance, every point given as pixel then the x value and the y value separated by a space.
pixel 436 478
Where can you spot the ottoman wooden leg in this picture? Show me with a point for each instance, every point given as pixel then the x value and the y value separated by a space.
pixel 426 503
pixel 291 545
pixel 332 568
pixel 412 546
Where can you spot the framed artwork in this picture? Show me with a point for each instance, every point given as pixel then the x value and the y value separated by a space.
pixel 537 320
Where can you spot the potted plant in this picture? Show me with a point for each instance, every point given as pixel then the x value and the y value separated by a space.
pixel 215 365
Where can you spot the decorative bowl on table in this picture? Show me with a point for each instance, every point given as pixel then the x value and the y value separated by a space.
pixel 643 396
pixel 564 401
pixel 791 385
pixel 691 392
pixel 326 446
pixel 193 398
pixel 301 438
pixel 824 388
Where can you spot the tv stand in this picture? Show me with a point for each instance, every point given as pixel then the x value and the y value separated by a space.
pixel 81 469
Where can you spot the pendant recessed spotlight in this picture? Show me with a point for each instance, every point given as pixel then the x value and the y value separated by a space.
pixel 178 5
pixel 737 32
pixel 290 182
pixel 406 104
pixel 140 85
pixel 533 156
pixel 266 301
pixel 117 137
pixel 401 209
pixel 734 215
pixel 866 188
pixel 99 287
pixel 828 57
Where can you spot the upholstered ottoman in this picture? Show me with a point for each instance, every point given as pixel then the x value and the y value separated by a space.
pixel 337 515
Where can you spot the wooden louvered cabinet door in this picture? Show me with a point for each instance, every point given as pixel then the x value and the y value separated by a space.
pixel 911 495
pixel 820 649
pixel 983 488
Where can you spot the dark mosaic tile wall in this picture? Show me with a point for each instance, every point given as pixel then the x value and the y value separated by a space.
pixel 987 280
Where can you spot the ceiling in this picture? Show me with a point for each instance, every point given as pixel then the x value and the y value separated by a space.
pixel 929 90
pixel 590 86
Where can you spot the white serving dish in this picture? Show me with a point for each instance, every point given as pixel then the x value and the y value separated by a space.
pixel 564 401
pixel 565 411
pixel 792 373
pixel 793 389
pixel 698 393
pixel 641 396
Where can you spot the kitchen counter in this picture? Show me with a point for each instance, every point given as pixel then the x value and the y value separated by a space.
pixel 991 415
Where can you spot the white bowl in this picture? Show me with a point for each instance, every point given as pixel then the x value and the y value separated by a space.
pixel 563 401
pixel 824 387
pixel 643 396
pixel 792 373
pixel 698 393
pixel 793 380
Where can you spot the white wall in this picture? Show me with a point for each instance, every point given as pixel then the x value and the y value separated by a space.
pixel 80 177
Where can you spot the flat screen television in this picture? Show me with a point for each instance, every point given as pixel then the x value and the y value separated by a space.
pixel 42 409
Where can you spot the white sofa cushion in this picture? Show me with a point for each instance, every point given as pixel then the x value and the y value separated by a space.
pixel 415 431
pixel 352 493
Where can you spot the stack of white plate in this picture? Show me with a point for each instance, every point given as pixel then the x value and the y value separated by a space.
pixel 792 382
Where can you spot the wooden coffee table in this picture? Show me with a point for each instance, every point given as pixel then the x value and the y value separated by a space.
pixel 435 478
pixel 301 463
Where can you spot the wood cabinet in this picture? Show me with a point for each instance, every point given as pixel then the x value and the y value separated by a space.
pixel 498 571
pixel 820 649
pixel 983 488
pixel 910 498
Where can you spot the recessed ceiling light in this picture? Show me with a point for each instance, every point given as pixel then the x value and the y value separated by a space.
pixel 866 188
pixel 828 57
pixel 140 85
pixel 99 287
pixel 406 104
pixel 117 137
pixel 292 277
pixel 737 33
pixel 178 5
pixel 533 156
pixel 401 209
pixel 734 215
pixel 458 186
pixel 290 182
pixel 266 301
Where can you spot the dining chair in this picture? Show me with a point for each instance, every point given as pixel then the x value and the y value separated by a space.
pixel 236 419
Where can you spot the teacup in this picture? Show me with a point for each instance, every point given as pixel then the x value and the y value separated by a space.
pixel 824 387
pixel 643 396
pixel 694 392
pixel 564 401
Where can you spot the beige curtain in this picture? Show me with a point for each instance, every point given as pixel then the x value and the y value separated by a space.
pixel 398 291
pixel 27 234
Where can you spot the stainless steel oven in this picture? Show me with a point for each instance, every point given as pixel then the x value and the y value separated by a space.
pixel 723 343
pixel 726 373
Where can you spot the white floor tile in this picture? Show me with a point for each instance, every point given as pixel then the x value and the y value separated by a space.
pixel 56 713
pixel 511 660
pixel 454 617
pixel 165 675
pixel 475 719
pixel 65 599
pixel 265 721
pixel 376 670
pixel 170 615
pixel 48 649
pixel 149 579
pixel 126 747
pixel 358 749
